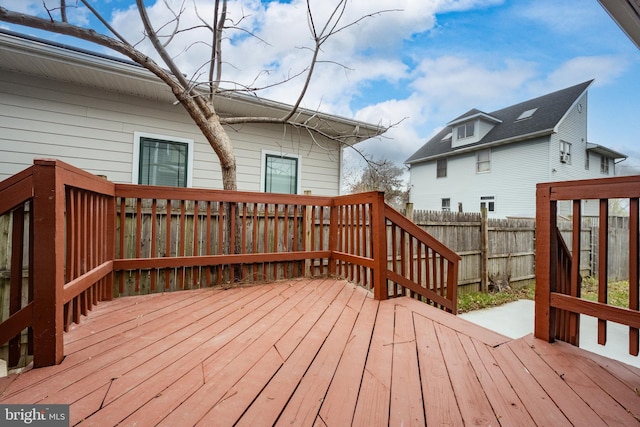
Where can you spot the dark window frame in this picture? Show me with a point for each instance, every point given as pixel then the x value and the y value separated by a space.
pixel 268 178
pixel 149 169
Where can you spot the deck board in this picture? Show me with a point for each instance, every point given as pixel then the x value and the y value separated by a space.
pixel 317 352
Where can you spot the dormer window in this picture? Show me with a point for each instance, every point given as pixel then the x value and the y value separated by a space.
pixel 465 130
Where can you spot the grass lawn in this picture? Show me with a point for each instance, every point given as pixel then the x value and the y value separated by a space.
pixel 478 300
pixel 617 292
pixel 618 295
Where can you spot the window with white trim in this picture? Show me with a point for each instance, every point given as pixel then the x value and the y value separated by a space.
pixel 466 130
pixel 162 160
pixel 280 173
pixel 441 166
pixel 483 161
pixel 488 203
pixel 446 205
pixel 565 152
pixel 604 165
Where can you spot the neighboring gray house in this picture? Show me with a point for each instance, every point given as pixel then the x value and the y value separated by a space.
pixel 114 118
pixel 495 160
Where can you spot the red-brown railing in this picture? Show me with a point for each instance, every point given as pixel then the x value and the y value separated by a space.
pixel 558 280
pixel 421 266
pixel 88 240
pixel 176 238
pixel 62 221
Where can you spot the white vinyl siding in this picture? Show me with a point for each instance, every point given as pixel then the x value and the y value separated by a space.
pixel 93 130
pixel 516 168
pixel 512 183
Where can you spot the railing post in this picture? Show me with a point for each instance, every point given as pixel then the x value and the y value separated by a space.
pixel 546 260
pixel 48 263
pixel 379 233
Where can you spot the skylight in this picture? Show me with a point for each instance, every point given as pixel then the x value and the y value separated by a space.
pixel 447 137
pixel 527 114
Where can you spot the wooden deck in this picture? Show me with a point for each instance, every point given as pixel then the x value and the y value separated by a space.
pixel 320 352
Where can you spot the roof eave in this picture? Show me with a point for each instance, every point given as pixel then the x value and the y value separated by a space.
pixel 600 149
pixel 491 144
pixel 487 117
pixel 627 15
pixel 148 85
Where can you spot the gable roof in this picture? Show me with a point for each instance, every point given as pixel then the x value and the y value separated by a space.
pixel 550 109
pixel 44 58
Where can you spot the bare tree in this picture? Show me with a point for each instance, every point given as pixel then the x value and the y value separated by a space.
pixel 197 96
pixel 382 175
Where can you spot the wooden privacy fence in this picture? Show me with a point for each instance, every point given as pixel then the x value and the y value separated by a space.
pixel 492 251
pixel 77 239
pixel 558 279
pixel 499 251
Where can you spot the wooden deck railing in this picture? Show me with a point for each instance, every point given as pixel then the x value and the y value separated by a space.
pixel 558 280
pixel 62 232
pixel 87 239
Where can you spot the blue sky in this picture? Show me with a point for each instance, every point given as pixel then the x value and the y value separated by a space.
pixel 429 61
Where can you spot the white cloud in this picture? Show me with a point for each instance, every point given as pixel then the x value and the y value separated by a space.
pixel 567 16
pixel 605 69
pixel 31 7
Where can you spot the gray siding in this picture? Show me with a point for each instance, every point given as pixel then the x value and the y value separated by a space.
pixel 94 130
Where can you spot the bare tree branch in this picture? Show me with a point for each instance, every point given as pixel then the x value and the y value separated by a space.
pixel 102 20
pixel 197 97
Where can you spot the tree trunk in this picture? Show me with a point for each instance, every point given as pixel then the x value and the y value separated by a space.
pixel 221 144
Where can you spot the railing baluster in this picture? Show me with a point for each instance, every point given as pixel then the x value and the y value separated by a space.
pixel 603 265
pixel 634 284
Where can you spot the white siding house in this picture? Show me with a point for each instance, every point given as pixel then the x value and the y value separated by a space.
pixel 495 160
pixel 113 118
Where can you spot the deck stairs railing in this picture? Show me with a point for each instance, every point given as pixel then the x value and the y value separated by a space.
pixel 558 279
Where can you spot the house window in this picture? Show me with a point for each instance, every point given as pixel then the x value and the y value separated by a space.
pixel 280 173
pixel 441 168
pixel 586 161
pixel 162 160
pixel 565 152
pixel 604 165
pixel 488 203
pixel 465 130
pixel 446 205
pixel 483 161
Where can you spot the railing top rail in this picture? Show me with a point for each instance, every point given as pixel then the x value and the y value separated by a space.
pixel 358 198
pixel 77 178
pixel 200 194
pixel 402 221
pixel 16 190
pixel 14 179
pixel 614 187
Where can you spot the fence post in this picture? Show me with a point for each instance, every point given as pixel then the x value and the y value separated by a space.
pixel 48 263
pixel 308 224
pixel 379 231
pixel 546 262
pixel 408 211
pixel 110 246
pixel 333 237
pixel 484 251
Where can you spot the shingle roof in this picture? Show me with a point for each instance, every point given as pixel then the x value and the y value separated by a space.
pixel 551 108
